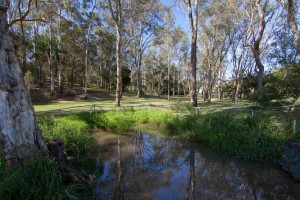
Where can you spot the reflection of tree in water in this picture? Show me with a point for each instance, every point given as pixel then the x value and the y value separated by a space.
pixel 229 180
pixel 138 167
pixel 148 167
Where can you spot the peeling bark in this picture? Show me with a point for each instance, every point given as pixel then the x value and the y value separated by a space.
pixel 20 135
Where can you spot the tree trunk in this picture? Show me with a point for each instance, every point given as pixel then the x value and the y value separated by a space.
pixel 174 82
pixel 158 85
pixel 51 62
pixel 219 83
pixel 194 30
pixel 260 74
pixel 256 51
pixel 60 85
pixel 20 135
pixel 116 14
pixel 119 68
pixel 139 76
pixel 290 8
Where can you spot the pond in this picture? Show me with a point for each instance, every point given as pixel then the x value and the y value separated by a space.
pixel 138 165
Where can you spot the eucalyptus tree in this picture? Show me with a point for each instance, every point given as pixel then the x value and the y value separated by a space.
pixel 144 27
pixel 169 25
pixel 260 13
pixel 292 7
pixel 116 12
pixel 179 46
pixel 106 56
pixel 150 67
pixel 217 40
pixel 193 19
pixel 90 20
pixel 20 136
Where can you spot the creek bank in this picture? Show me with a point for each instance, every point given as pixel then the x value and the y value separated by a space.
pixel 290 161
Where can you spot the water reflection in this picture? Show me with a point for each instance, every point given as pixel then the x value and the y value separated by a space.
pixel 143 166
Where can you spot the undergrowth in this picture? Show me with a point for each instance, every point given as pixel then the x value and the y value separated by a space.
pixel 42 178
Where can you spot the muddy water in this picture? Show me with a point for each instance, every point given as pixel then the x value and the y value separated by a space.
pixel 138 165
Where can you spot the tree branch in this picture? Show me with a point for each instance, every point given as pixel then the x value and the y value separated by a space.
pixel 22 18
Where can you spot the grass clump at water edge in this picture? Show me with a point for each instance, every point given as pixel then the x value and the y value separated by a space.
pixel 259 139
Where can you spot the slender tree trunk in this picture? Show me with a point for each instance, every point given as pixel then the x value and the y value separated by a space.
pixel 158 85
pixel 20 136
pixel 119 68
pixel 51 62
pixel 174 77
pixel 219 83
pixel 24 56
pixel 139 75
pixel 237 90
pixel 116 14
pixel 60 85
pixel 194 32
pixel 260 74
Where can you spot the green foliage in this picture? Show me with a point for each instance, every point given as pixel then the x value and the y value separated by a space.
pixel 257 139
pixel 41 178
pixel 73 131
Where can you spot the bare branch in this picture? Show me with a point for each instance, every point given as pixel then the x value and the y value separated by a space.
pixel 22 18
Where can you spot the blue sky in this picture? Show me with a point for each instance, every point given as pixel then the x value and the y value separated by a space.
pixel 180 14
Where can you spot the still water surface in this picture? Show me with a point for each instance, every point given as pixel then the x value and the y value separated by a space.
pixel 138 165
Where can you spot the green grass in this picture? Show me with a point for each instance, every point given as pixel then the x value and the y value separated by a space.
pixel 73 130
pixel 129 100
pixel 260 139
pixel 41 178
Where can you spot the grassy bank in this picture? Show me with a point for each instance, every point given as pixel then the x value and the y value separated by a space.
pixel 44 178
pixel 260 138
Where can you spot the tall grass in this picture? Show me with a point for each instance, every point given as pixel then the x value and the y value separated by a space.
pixel 124 120
pixel 258 139
pixel 41 178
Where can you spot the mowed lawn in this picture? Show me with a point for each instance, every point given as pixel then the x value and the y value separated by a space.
pixel 130 101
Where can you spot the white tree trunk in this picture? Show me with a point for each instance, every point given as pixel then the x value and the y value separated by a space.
pixel 20 135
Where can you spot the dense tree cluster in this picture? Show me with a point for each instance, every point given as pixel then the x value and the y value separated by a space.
pixel 62 43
